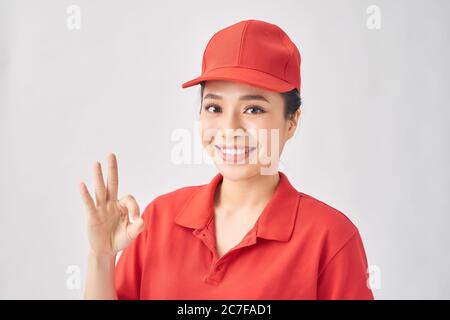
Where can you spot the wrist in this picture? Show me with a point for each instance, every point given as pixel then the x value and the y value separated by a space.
pixel 102 256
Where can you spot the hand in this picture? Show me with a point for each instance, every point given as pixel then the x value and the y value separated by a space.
pixel 108 225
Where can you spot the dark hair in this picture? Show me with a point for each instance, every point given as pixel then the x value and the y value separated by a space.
pixel 292 100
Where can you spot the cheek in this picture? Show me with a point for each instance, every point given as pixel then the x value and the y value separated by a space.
pixel 281 137
pixel 271 136
pixel 207 131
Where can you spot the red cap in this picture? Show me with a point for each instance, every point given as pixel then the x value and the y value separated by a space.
pixel 254 52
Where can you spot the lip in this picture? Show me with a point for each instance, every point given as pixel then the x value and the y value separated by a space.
pixel 234 153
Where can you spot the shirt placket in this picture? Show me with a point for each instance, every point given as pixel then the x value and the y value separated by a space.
pixel 219 265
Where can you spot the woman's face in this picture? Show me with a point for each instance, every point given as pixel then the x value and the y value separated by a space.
pixel 244 128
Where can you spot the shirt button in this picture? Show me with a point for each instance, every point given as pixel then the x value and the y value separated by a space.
pixel 211 280
pixel 220 267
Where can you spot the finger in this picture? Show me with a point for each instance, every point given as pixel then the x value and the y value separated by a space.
pixel 130 203
pixel 87 199
pixel 135 228
pixel 113 178
pixel 100 191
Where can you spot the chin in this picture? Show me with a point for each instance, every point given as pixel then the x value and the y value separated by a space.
pixel 238 172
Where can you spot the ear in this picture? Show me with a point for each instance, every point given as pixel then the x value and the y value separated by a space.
pixel 293 123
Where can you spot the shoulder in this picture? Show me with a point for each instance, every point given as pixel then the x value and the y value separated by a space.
pixel 327 229
pixel 324 220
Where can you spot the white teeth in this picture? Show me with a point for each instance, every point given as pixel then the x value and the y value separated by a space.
pixel 233 151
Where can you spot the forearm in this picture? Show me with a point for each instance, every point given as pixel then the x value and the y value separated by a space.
pixel 100 282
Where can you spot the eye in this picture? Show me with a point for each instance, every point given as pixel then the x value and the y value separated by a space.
pixel 213 108
pixel 254 110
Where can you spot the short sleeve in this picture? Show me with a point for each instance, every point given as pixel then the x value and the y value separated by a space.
pixel 128 271
pixel 345 276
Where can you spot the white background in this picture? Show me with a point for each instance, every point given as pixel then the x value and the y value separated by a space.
pixel 373 138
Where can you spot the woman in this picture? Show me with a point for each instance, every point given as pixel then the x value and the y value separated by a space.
pixel 248 233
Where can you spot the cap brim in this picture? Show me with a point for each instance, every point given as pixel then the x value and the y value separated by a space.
pixel 249 76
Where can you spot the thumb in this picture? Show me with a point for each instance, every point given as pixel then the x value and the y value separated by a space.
pixel 135 228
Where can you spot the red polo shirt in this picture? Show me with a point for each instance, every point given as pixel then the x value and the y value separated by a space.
pixel 299 248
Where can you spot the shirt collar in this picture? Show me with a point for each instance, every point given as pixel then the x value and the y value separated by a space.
pixel 276 222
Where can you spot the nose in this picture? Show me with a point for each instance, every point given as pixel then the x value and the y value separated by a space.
pixel 232 126
pixel 231 120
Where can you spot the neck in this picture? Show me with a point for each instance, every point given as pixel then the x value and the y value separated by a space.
pixel 237 195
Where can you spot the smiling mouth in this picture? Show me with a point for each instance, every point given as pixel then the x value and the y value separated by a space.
pixel 233 153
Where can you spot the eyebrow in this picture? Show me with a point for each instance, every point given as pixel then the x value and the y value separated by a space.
pixel 244 97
